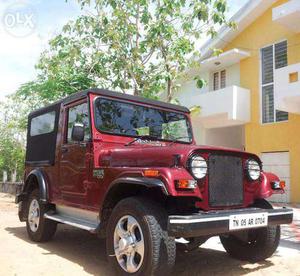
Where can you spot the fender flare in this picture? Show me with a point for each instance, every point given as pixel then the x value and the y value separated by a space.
pixel 42 183
pixel 265 189
pixel 143 181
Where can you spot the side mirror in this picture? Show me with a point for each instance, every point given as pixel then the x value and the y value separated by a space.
pixel 78 132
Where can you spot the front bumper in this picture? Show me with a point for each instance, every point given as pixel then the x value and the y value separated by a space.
pixel 217 222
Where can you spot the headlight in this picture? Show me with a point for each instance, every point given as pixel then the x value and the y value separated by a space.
pixel 198 166
pixel 253 169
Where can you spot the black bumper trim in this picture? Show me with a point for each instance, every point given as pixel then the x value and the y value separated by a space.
pixel 217 222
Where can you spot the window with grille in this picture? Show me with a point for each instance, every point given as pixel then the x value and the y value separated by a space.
pixel 272 57
pixel 216 80
pixel 223 78
pixel 219 80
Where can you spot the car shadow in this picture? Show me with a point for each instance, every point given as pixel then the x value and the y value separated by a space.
pixel 87 251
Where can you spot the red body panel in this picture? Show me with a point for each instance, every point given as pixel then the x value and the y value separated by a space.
pixel 73 184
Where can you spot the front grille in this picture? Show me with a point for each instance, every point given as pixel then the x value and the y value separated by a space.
pixel 225 181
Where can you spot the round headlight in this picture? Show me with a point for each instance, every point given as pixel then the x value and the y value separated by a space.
pixel 253 169
pixel 198 166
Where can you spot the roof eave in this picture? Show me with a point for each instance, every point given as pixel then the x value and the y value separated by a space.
pixel 243 18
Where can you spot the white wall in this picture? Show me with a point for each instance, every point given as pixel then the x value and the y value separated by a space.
pixel 279 164
pixel 288 15
pixel 198 131
pixel 232 76
pixel 232 137
pixel 286 93
pixel 188 90
pixel 221 108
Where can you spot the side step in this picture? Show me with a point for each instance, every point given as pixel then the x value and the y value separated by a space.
pixel 79 223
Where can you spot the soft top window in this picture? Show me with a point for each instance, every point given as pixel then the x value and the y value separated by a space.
pixel 127 119
pixel 42 124
pixel 42 134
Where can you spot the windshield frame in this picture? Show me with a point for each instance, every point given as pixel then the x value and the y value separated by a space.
pixel 189 125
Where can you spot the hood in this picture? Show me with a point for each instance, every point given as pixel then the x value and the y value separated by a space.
pixel 160 156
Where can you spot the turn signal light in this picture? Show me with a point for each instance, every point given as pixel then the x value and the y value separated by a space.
pixel 277 185
pixel 186 184
pixel 151 173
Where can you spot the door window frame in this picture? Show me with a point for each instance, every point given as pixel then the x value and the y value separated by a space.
pixel 66 120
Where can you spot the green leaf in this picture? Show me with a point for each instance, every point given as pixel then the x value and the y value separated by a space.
pixel 200 83
pixel 221 6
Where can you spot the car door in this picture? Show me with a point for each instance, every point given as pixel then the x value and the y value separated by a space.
pixel 74 156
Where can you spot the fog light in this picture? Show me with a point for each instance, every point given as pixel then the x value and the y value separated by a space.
pixel 186 184
pixel 278 185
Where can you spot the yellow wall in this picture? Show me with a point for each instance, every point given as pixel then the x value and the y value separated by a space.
pixel 282 136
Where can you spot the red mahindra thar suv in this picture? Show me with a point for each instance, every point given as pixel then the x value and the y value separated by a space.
pixel 128 169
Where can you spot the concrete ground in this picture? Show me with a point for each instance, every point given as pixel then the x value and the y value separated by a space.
pixel 76 252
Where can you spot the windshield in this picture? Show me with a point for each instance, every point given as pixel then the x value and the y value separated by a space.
pixel 120 118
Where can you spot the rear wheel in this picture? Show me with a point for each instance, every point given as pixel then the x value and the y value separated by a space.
pixel 39 229
pixel 137 239
pixel 253 245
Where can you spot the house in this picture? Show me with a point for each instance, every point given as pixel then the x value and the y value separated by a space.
pixel 252 100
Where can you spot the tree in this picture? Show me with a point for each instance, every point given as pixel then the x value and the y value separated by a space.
pixel 13 114
pixel 11 156
pixel 142 46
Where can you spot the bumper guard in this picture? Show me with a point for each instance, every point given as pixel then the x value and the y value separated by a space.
pixel 217 222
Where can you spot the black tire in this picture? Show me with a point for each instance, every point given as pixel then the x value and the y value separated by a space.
pixel 160 249
pixel 261 244
pixel 45 228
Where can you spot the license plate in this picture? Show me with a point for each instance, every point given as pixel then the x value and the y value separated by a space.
pixel 248 221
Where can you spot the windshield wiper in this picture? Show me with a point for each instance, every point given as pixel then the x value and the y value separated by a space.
pixel 142 137
pixel 177 139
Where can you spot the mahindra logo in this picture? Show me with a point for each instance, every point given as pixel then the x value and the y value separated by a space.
pixel 19 20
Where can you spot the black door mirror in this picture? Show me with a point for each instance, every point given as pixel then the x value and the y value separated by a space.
pixel 78 132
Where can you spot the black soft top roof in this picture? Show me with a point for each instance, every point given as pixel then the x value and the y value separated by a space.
pixel 117 95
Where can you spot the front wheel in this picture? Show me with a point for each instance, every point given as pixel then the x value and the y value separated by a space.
pixel 137 239
pixel 253 245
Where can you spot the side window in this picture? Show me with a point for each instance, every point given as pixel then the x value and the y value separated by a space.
pixel 42 124
pixel 223 78
pixel 272 57
pixel 216 81
pixel 78 114
pixel 219 80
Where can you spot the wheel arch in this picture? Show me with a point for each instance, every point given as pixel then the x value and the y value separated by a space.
pixel 126 187
pixel 36 179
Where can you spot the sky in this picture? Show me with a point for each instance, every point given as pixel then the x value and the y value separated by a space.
pixel 26 26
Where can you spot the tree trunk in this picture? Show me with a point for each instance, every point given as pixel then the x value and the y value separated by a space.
pixel 169 90
pixel 136 91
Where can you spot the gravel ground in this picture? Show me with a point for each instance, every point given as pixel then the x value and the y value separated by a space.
pixel 76 252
